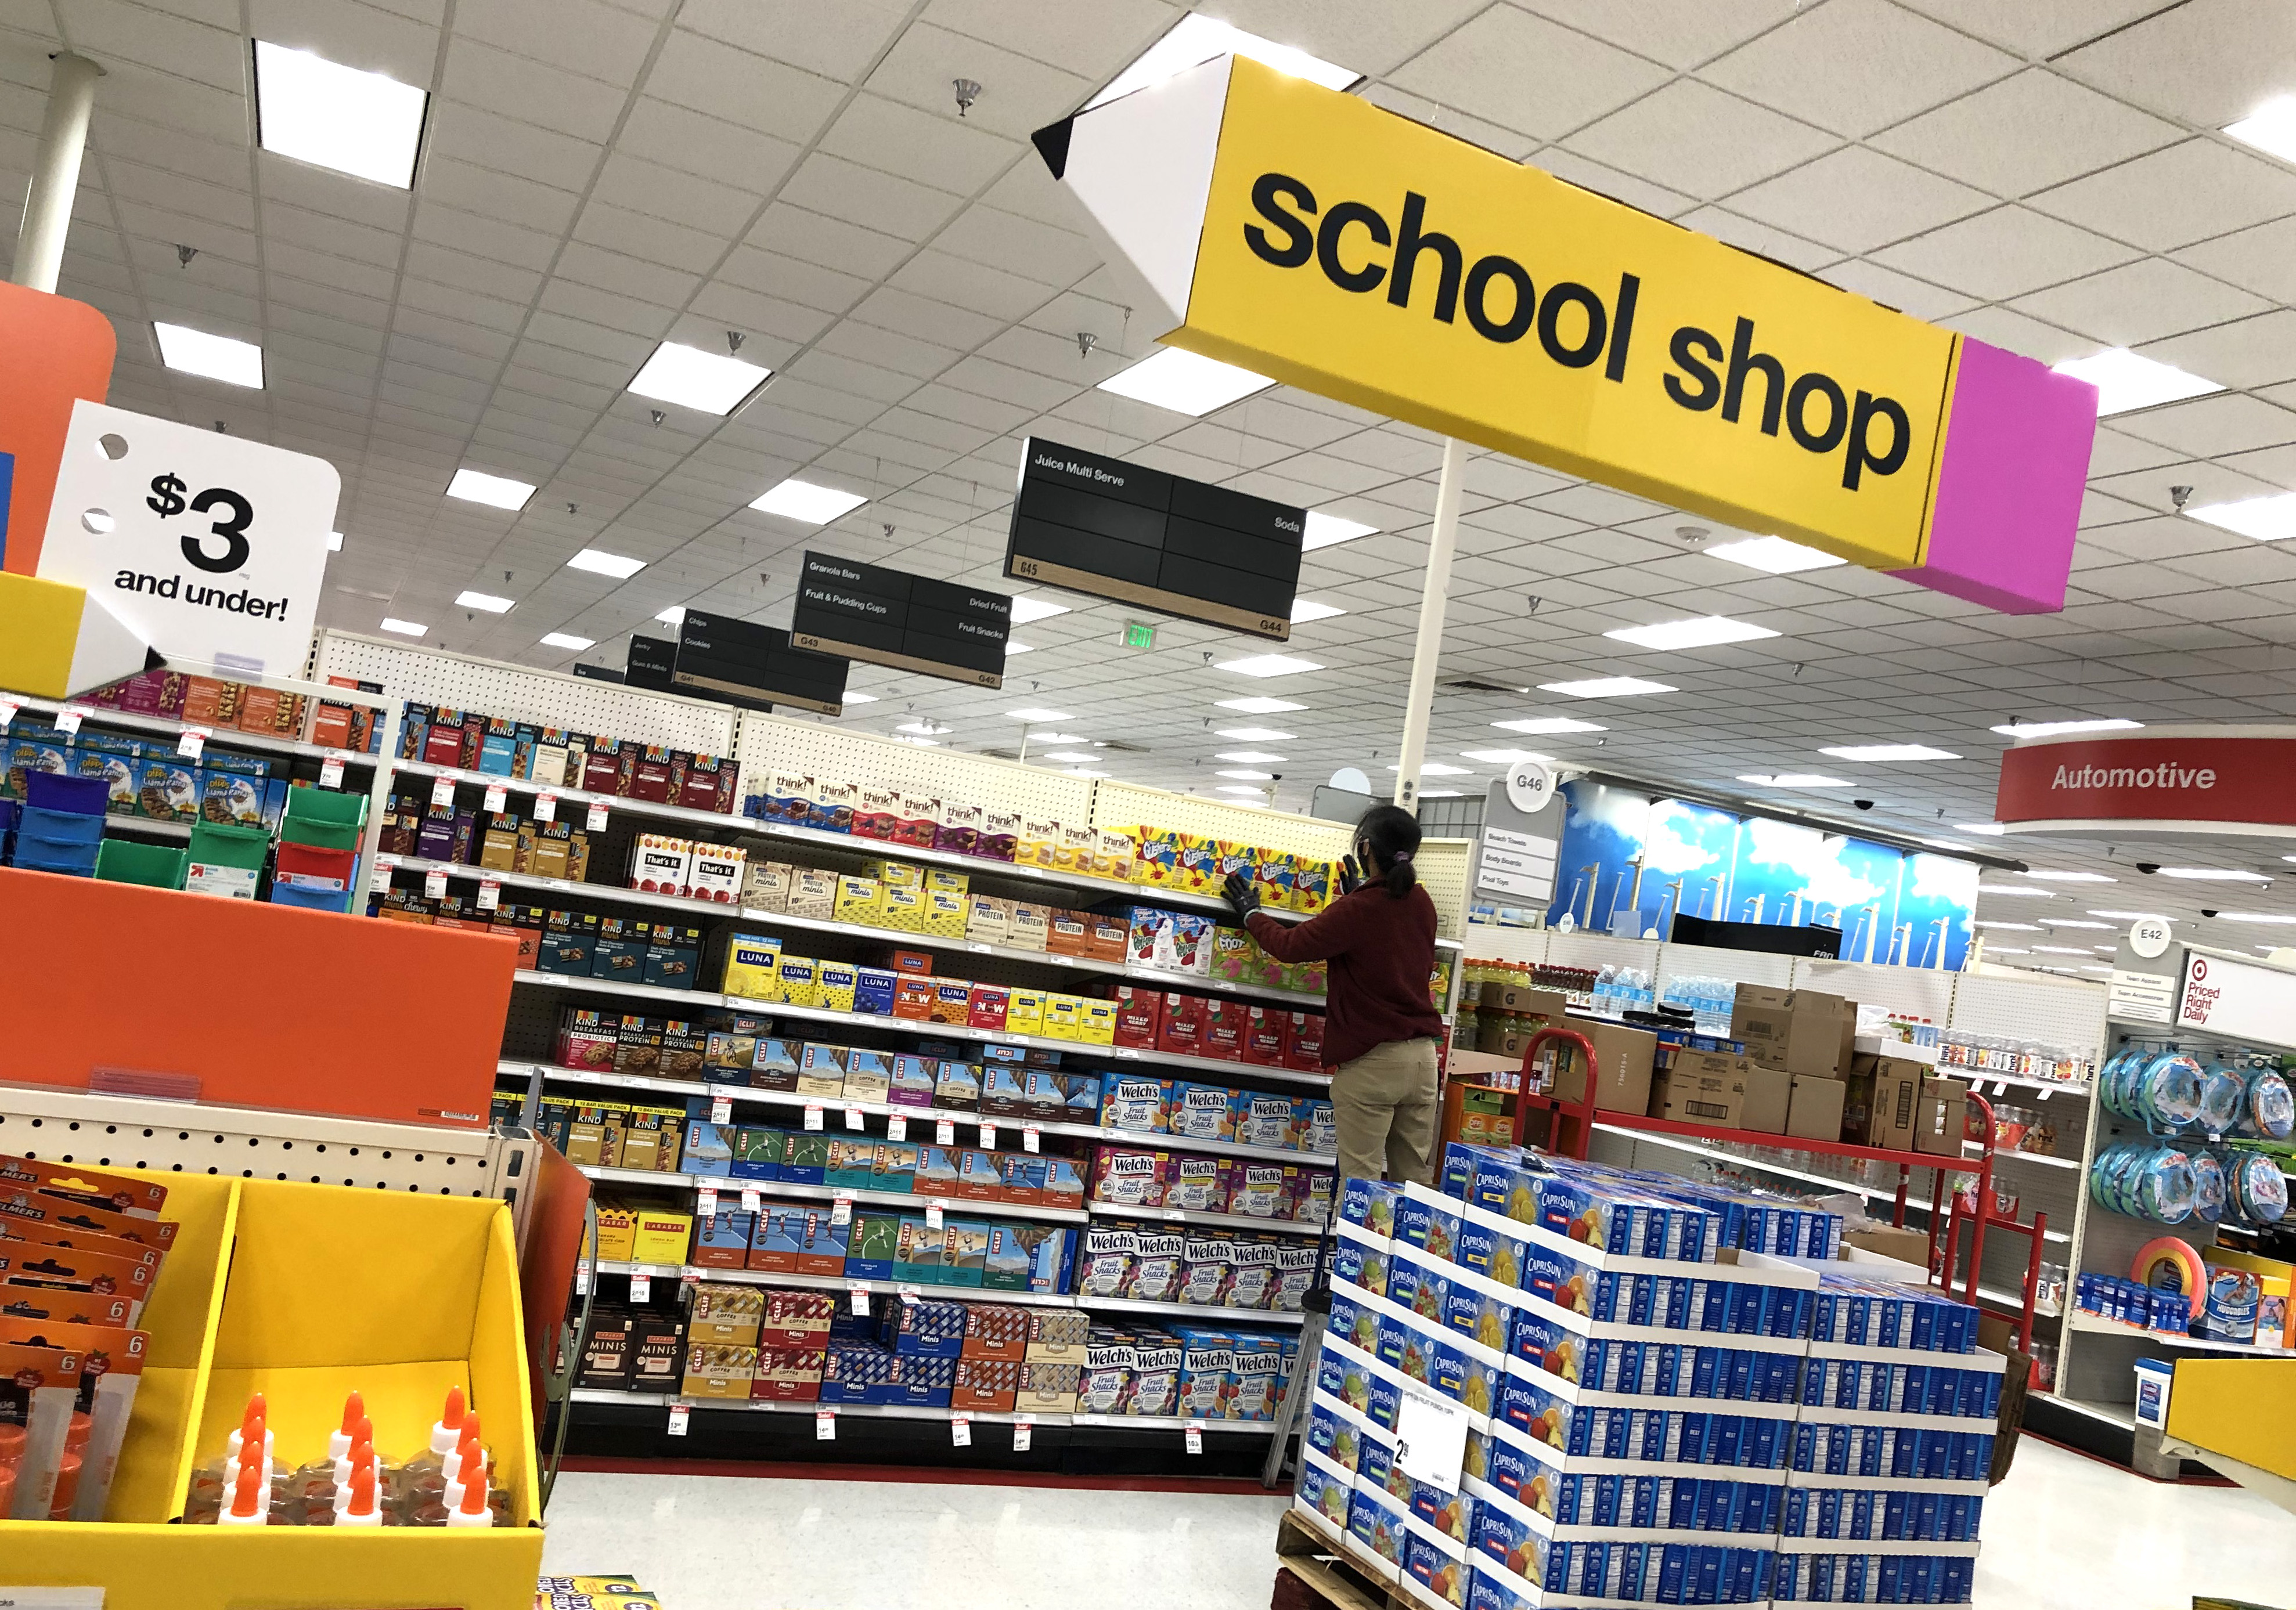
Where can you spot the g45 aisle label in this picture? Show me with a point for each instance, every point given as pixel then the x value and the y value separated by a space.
pixel 1311 237
pixel 211 547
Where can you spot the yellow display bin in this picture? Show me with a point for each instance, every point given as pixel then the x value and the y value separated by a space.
pixel 2244 1408
pixel 305 1293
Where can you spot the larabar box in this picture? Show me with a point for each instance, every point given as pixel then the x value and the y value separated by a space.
pixel 1139 1014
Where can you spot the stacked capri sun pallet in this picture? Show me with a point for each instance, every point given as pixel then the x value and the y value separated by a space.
pixel 1674 1393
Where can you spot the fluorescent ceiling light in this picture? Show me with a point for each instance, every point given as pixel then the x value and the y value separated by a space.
pixel 2059 950
pixel 1774 554
pixel 567 639
pixel 928 728
pixel 2123 380
pixel 494 491
pixel 1701 632
pixel 1793 779
pixel 2125 916
pixel 1071 738
pixel 2022 928
pixel 1244 774
pixel 214 357
pixel 1075 757
pixel 1436 768
pixel 675 615
pixel 1440 794
pixel 1034 714
pixel 1254 734
pixel 2050 729
pixel 619 566
pixel 1501 757
pixel 1027 609
pixel 487 601
pixel 322 113
pixel 405 628
pixel 2005 949
pixel 1013 646
pixel 2267 519
pixel 1184 382
pixel 334 542
pixel 1195 39
pixel 1259 705
pixel 2270 129
pixel 1889 751
pixel 2256 917
pixel 1247 757
pixel 1549 726
pixel 2017 891
pixel 709 382
pixel 2068 922
pixel 1270 665
pixel 1608 687
pixel 850 698
pixel 1328 530
pixel 2213 875
pixel 2045 877
pixel 1305 609
pixel 1989 829
pixel 803 500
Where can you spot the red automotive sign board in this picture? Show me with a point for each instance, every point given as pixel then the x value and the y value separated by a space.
pixel 2209 780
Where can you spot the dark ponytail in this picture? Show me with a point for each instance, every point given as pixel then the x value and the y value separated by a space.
pixel 1392 834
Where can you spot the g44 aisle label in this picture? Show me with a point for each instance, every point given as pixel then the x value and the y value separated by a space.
pixel 211 547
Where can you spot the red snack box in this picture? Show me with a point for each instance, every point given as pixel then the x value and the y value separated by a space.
pixel 979 1177
pixel 1305 1048
pixel 697 786
pixel 1227 1020
pixel 1139 1014
pixel 588 1040
pixel 1182 1028
pixel 796 1319
pixel 985 1385
pixel 1266 1033
pixel 651 774
pixel 914 997
pixel 1128 1177
pixel 788 1375
pixel 913 962
pixel 442 740
pixel 989 1003
pixel 608 767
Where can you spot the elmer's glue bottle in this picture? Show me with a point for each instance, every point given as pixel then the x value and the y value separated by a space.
pixel 339 1443
pixel 471 1507
pixel 360 1509
pixel 249 1504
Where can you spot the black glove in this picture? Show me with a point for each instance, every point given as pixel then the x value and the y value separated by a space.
pixel 1351 876
pixel 1243 895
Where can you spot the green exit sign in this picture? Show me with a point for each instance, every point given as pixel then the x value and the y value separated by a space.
pixel 1139 635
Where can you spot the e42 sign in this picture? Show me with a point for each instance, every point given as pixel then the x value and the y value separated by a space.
pixel 211 547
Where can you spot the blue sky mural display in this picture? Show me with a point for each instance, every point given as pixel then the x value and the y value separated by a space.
pixel 1630 861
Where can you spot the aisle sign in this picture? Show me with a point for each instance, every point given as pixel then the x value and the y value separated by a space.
pixel 741 663
pixel 910 622
pixel 2239 1000
pixel 211 547
pixel 2149 936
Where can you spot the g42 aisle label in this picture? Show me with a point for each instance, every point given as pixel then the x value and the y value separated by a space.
pixel 211 547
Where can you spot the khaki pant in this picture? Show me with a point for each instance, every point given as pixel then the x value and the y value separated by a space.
pixel 1385 1106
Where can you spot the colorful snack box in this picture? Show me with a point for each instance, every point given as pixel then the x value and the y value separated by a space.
pixel 1202 1112
pixel 1128 1177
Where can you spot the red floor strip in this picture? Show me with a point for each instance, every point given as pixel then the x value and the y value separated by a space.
pixel 777 1471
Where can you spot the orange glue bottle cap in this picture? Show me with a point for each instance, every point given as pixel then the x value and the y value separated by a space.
pixel 470 1507
pixel 339 1442
pixel 251 1499
pixel 443 1434
pixel 361 1511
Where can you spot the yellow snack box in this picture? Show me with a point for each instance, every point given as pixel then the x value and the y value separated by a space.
pixel 832 984
pixel 753 966
pixel 1061 1017
pixel 800 980
pixel 618 1233
pixel 1158 859
pixel 1197 857
pixel 903 910
pixel 1312 885
pixel 896 874
pixel 1024 1011
pixel 944 914
pixel 1074 852
pixel 1040 843
pixel 1114 854
pixel 1097 1023
pixel 662 1235
pixel 942 878
pixel 859 900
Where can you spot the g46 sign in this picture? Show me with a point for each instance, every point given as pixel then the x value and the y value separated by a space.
pixel 211 547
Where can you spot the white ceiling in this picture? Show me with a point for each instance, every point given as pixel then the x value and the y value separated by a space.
pixel 2046 175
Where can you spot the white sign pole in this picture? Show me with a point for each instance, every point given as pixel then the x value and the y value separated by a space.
pixel 1419 703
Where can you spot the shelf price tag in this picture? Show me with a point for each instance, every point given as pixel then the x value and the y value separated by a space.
pixel 1176 1215
pixel 812 1114
pixel 442 791
pixel 751 1201
pixel 194 743
pixel 597 818
pixel 679 1413
pixel 331 772
pixel 490 894
pixel 708 1204
pixel 67 720
pixel 8 707
pixel 497 798
pixel 434 884
pixel 897 1128
pixel 545 807
pixel 860 1290
pixel 934 1214
pixel 641 1284
pixel 1195 1436
pixel 840 1210
pixel 1032 1139
pixel 721 1109
pixel 852 1119
pixel 824 1425
pixel 378 881
pixel 989 1137
pixel 581 1279
pixel 960 1430
pixel 1022 1428
pixel 910 1293
pixel 945 1132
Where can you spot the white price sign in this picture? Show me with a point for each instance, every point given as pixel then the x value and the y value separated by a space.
pixel 840 1210
pixel 852 1119
pixel 331 772
pixel 597 819
pixel 211 547
pixel 442 792
pixel 545 807
pixel 751 1201
pixel 824 1425
pixel 1023 1429
pixel 860 1300
pixel 641 1285
pixel 68 721
pixel 897 1128
pixel 721 1109
pixel 377 878
pixel 1032 1139
pixel 679 1414
pixel 960 1430
pixel 708 1202
pixel 434 884
pixel 2236 999
pixel 7 711
pixel 581 1279
pixel 1195 1436
pixel 934 1216
pixel 497 798
pixel 489 895
pixel 945 1132
pixel 812 1114
pixel 1430 1438
pixel 989 1137
pixel 194 743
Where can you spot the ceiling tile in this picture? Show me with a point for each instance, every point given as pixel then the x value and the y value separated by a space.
pixel 1018 96
pixel 836 40
pixel 1699 140
pixel 2139 302
pixel 1855 66
pixel 1526 73
pixel 1680 32
pixel 1858 200
pixel 2174 197
pixel 2004 253
pixel 2210 427
pixel 2036 28
pixel 2205 63
pixel 2026 133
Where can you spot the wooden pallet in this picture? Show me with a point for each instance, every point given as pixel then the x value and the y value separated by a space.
pixel 1338 1569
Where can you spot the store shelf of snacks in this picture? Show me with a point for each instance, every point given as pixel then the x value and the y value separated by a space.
pixel 919 1026
pixel 1144 1422
pixel 229 737
pixel 887 1288
pixel 2098 1325
pixel 784 1188
pixel 699 911
pixel 1174 1216
pixel 1184 1311
pixel 870 1411
pixel 523 1071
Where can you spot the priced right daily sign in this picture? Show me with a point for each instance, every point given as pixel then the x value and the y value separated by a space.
pixel 1313 238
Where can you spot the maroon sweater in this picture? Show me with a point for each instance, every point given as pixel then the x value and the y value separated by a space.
pixel 1382 953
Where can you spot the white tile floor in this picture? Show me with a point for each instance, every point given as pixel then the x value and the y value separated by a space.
pixel 2064 1532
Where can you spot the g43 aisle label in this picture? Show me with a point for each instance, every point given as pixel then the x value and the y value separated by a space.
pixel 211 547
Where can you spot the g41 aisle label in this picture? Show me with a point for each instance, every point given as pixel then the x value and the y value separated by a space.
pixel 211 547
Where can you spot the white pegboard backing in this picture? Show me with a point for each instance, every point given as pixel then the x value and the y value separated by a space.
pixel 1734 967
pixel 180 1137
pixel 1442 864
pixel 770 744
pixel 1124 804
pixel 1599 951
pixel 2067 1012
pixel 1488 940
pixel 578 704
pixel 1915 992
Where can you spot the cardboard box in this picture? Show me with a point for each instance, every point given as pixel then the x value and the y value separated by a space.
pixel 1890 1241
pixel 1704 1088
pixel 1623 1057
pixel 1770 1097
pixel 1814 1112
pixel 1799 1031
pixel 1892 1105
pixel 1938 1119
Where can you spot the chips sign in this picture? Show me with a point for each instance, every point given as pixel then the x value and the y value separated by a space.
pixel 1313 238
